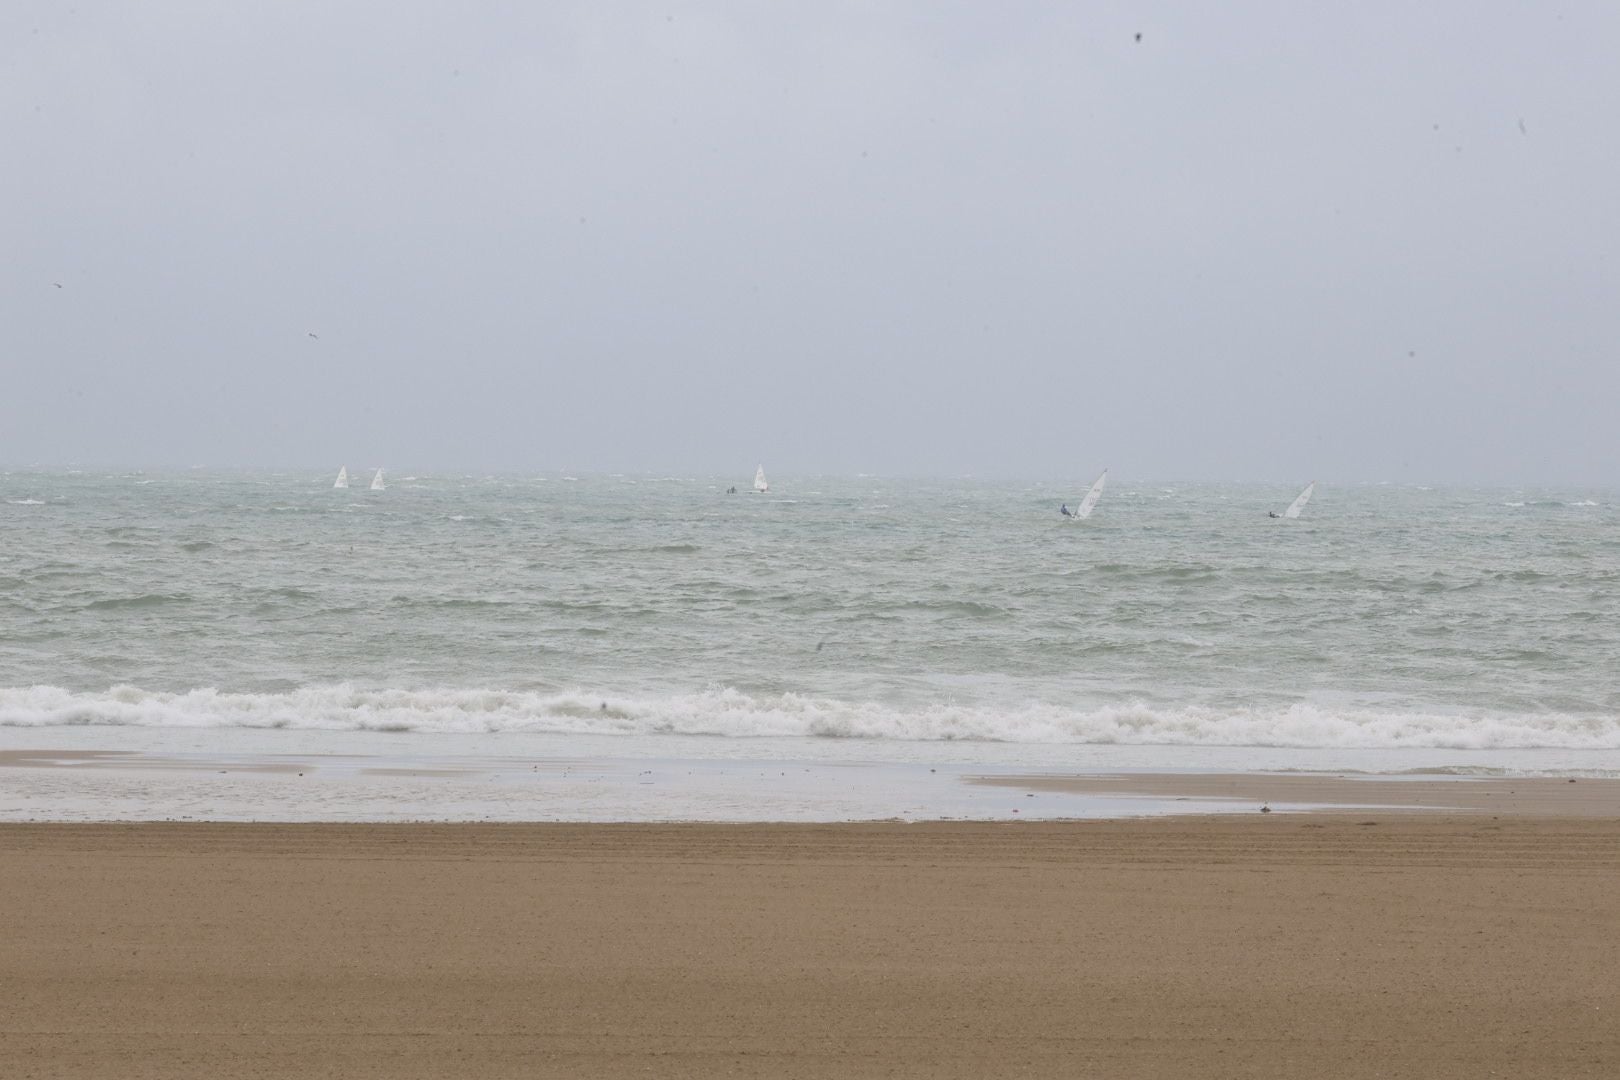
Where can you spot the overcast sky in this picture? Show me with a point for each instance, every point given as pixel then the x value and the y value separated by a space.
pixel 1263 241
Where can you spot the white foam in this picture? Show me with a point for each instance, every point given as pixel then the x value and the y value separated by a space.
pixel 729 713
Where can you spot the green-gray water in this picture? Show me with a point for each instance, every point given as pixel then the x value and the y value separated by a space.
pixel 830 606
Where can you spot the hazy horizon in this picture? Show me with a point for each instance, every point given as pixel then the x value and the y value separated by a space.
pixel 360 474
pixel 908 240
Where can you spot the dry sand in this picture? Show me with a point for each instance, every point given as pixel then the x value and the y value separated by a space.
pixel 1391 945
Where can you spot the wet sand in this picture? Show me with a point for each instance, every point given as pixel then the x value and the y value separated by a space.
pixel 54 783
pixel 1372 944
pixel 1540 796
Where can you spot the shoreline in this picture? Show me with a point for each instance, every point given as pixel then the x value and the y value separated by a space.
pixel 45 783
pixel 1257 946
pixel 1317 793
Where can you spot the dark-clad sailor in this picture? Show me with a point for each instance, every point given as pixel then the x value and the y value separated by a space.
pixel 1065 511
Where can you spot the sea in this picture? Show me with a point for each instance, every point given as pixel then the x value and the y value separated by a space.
pixel 831 648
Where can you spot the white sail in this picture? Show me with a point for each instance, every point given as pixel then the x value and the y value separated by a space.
pixel 377 482
pixel 1299 503
pixel 1089 503
pixel 759 480
pixel 342 480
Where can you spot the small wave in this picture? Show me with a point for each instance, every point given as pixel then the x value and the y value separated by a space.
pixel 26 502
pixel 148 600
pixel 1486 772
pixel 291 592
pixel 450 603
pixel 971 608
pixel 734 714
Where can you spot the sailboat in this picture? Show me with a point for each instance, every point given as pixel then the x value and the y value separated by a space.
pixel 1089 503
pixel 377 482
pixel 342 480
pixel 759 480
pixel 1299 501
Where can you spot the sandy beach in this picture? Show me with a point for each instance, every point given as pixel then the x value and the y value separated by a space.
pixel 1333 945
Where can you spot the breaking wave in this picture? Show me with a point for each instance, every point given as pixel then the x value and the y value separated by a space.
pixel 734 714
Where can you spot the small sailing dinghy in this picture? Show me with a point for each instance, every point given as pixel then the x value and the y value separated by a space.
pixel 1299 501
pixel 377 482
pixel 1089 503
pixel 342 480
pixel 759 480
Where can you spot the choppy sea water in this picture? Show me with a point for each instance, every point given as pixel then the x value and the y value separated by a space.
pixel 832 617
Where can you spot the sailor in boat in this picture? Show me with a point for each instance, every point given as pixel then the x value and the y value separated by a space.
pixel 1273 513
pixel 1065 511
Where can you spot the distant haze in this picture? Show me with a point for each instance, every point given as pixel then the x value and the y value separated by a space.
pixel 1264 241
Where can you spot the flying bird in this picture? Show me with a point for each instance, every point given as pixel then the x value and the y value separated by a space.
pixel 58 284
pixel 314 335
pixel 1138 37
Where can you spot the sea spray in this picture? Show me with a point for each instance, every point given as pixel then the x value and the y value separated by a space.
pixel 730 713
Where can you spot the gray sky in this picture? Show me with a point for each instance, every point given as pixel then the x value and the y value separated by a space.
pixel 1266 241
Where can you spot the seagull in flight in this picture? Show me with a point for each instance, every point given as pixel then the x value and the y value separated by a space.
pixel 314 335
pixel 58 284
